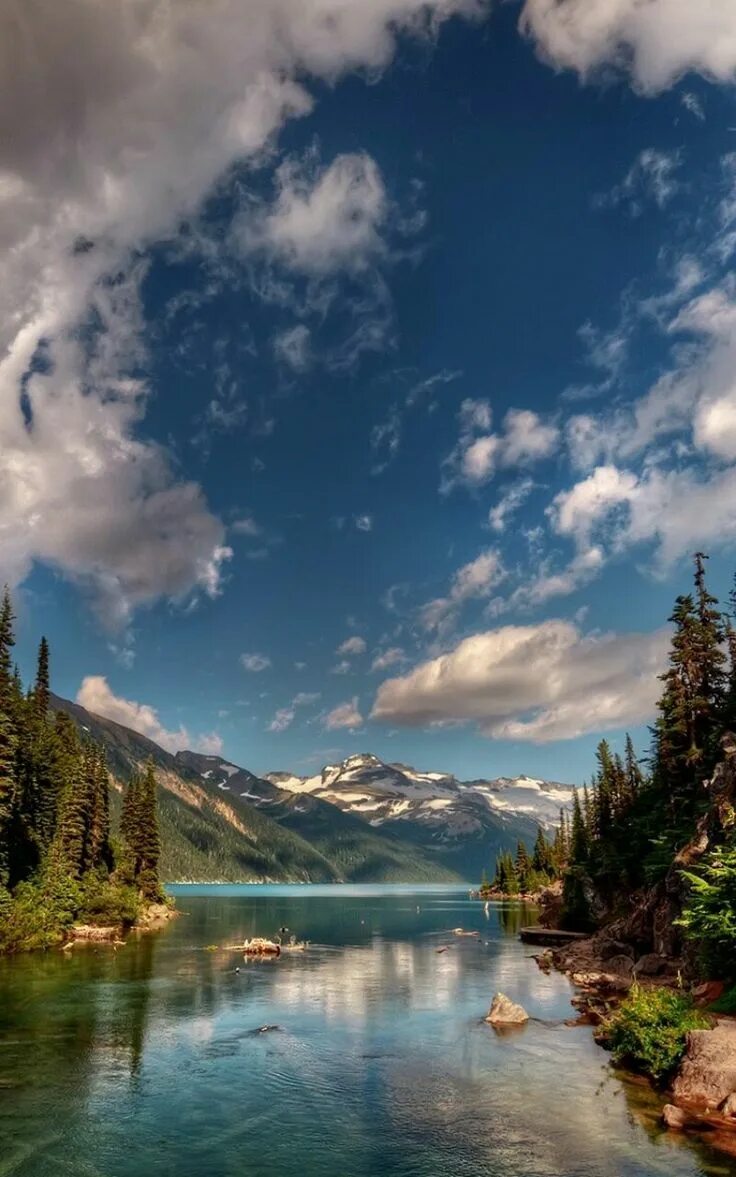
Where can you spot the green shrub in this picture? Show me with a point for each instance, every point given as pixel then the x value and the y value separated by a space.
pixel 648 1031
pixel 709 917
pixel 105 902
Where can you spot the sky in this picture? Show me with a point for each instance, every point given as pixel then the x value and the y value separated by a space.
pixel 367 372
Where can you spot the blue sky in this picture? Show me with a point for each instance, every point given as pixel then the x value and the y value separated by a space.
pixel 369 383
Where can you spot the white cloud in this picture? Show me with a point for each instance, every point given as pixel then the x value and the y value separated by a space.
pixel 323 219
pixel 346 715
pixel 535 683
pixel 255 663
pixel 386 437
pixel 656 42
pixel 343 667
pixel 650 178
pixel 352 646
pixel 96 696
pixel 246 526
pixel 292 347
pixel 128 119
pixel 509 504
pixel 285 716
pixel 524 439
pixel 473 581
pixel 391 657
pixel 363 522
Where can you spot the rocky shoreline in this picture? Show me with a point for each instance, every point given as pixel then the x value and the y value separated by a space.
pixel 151 919
pixel 701 1098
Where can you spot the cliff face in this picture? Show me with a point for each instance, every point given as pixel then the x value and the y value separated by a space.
pixel 651 924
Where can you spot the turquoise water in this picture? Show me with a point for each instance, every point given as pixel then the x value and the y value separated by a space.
pixel 145 1060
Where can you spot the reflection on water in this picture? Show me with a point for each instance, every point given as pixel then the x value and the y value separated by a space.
pixel 145 1061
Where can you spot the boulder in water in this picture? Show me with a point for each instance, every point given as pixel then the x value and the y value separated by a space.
pixel 505 1012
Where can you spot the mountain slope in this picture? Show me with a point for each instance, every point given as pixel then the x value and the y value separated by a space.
pixel 204 837
pixel 358 852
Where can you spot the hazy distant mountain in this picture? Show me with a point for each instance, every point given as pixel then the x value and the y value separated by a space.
pixel 360 820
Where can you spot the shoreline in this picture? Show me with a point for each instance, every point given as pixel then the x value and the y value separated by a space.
pixel 705 1077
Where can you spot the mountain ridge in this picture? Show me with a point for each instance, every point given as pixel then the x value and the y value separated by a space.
pixel 359 820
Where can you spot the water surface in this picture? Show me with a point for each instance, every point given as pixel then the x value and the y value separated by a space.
pixel 148 1060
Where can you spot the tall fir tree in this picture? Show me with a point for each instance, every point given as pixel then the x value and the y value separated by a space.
pixel 8 736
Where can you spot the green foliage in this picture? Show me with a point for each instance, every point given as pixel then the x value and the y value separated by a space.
pixel 649 1030
pixel 56 861
pixel 709 916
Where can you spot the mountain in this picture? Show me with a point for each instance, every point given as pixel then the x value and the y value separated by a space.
pixel 463 824
pixel 357 851
pixel 360 820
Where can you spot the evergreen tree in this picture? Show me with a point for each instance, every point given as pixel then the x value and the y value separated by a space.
pixel 543 857
pixel 42 687
pixel 8 736
pixel 523 867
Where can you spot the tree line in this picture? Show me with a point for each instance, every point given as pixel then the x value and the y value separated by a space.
pixel 525 872
pixel 634 815
pixel 59 860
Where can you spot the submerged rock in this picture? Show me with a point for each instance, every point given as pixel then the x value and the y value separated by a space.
pixel 505 1012
pixel 675 1117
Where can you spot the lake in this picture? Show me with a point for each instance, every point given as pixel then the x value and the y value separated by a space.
pixel 148 1060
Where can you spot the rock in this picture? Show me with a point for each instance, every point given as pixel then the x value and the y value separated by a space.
pixel 505 1012
pixel 605 982
pixel 608 948
pixel 707 1073
pixel 728 1107
pixel 675 1117
pixel 620 966
pixel 707 992
pixel 96 933
pixel 651 965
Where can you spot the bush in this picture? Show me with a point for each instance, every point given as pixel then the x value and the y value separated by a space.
pixel 726 1003
pixel 648 1031
pixel 709 916
pixel 104 902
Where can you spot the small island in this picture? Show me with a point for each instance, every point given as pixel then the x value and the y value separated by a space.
pixel 529 876
pixel 64 877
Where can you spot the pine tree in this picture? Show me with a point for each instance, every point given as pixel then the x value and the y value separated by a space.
pixel 42 687
pixel 523 867
pixel 69 844
pixel 8 736
pixel 542 858
pixel 579 845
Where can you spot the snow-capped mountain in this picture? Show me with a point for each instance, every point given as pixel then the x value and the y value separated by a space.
pixel 381 792
pixel 461 820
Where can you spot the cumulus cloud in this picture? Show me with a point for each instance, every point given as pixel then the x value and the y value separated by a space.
pixel 655 42
pixel 473 581
pixel 323 219
pixel 524 439
pixel 255 663
pixel 351 646
pixel 363 522
pixel 96 696
pixel 345 715
pixel 129 117
pixel 534 683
